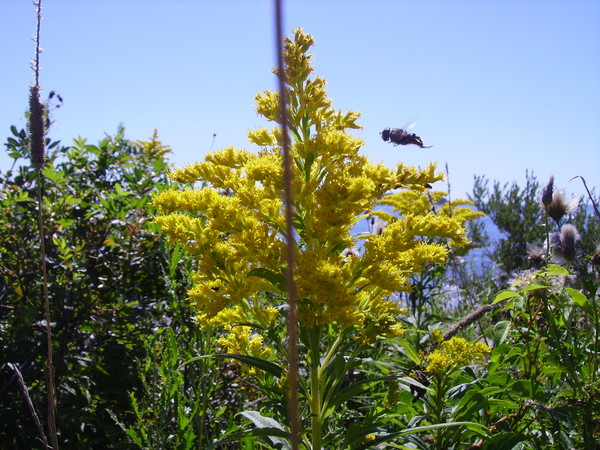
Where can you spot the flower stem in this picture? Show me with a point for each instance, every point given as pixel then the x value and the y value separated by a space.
pixel 315 387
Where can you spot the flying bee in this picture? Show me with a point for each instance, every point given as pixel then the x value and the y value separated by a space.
pixel 399 136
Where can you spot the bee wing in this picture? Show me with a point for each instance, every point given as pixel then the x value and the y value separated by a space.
pixel 410 126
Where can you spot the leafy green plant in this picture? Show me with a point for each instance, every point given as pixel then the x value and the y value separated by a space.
pixel 548 355
pixel 105 280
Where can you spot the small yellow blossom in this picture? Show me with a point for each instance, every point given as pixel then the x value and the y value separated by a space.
pixel 453 353
pixel 240 341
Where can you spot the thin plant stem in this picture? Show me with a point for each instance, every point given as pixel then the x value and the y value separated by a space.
pixel 38 50
pixel 34 415
pixel 316 395
pixel 37 131
pixel 49 364
pixel 290 242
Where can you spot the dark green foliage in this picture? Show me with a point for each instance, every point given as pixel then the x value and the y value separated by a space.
pixel 177 406
pixel 107 287
pixel 517 213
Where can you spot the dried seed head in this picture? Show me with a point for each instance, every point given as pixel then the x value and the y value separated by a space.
pixel 376 225
pixel 536 254
pixel 559 206
pixel 226 192
pixel 563 243
pixel 350 252
pixel 37 128
pixel 596 257
pixel 547 192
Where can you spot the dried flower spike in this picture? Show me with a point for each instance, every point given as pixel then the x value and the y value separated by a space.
pixel 37 128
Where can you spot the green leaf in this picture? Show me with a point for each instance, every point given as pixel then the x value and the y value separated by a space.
pixel 299 223
pixel 129 431
pixel 267 423
pixel 472 426
pixel 580 300
pixel 505 294
pixel 408 381
pixel 357 431
pixel 276 279
pixel 470 404
pixel 253 361
pixel 16 154
pixel 554 269
pixel 53 175
pixel 537 285
pixel 255 432
pixel 504 441
pixel 343 396
pixel 500 331
pixel 411 351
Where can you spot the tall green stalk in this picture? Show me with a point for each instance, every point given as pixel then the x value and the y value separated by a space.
pixel 315 388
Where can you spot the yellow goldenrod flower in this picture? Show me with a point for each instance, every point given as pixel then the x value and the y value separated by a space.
pixel 231 218
pixel 453 353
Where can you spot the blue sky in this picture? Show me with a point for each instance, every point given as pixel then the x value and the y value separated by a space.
pixel 497 87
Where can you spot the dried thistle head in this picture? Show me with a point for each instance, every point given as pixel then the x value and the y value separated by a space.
pixel 536 254
pixel 559 206
pixel 596 257
pixel 37 128
pixel 376 225
pixel 563 243
pixel 350 252
pixel 547 192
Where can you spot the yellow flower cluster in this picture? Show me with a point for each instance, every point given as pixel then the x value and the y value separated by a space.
pixel 234 221
pixel 240 341
pixel 453 353
pixel 442 220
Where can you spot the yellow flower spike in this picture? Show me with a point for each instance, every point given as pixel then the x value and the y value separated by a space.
pixel 227 317
pixel 437 335
pixel 228 157
pixel 264 137
pixel 240 341
pixel 411 176
pixel 267 105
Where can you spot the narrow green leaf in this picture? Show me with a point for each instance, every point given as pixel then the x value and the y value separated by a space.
pixel 411 351
pixel 343 396
pixel 268 423
pixel 253 361
pixel 371 444
pixel 255 432
pixel 469 405
pixel 504 441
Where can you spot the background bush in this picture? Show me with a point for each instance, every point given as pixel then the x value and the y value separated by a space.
pixel 112 283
